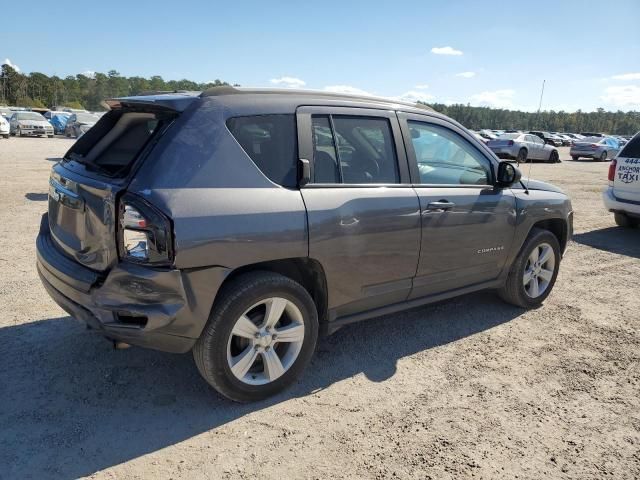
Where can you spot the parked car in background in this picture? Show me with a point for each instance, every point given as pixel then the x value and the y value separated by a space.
pixel 59 122
pixel 547 138
pixel 49 115
pixel 598 148
pixel 592 134
pixel 566 140
pixel 30 124
pixel 622 196
pixel 574 136
pixel 229 238
pixel 5 128
pixel 488 134
pixel 479 136
pixel 79 123
pixel 523 147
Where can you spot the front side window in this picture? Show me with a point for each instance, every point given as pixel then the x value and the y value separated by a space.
pixel 445 158
pixel 354 150
pixel 271 142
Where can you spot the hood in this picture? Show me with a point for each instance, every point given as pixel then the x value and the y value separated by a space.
pixel 533 184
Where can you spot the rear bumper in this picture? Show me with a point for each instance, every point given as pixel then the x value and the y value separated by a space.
pixel 614 204
pixel 162 309
pixel 504 152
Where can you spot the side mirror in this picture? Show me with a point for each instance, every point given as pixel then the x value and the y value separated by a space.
pixel 508 174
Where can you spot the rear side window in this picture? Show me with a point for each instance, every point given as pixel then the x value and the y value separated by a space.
pixel 632 149
pixel 353 150
pixel 270 141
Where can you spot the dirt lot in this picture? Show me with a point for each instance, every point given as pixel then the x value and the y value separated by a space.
pixel 466 388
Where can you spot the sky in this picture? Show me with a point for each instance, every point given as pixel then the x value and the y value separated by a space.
pixel 493 53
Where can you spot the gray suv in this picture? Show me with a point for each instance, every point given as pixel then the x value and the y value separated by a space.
pixel 241 224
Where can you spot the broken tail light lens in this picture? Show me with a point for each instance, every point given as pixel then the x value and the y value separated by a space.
pixel 144 233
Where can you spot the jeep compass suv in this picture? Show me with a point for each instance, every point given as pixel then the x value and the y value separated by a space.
pixel 240 224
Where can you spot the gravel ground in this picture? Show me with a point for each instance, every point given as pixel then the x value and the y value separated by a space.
pixel 465 388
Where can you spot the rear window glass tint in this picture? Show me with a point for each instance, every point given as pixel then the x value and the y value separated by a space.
pixel 270 141
pixel 632 149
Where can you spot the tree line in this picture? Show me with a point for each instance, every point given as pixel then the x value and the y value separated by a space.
pixel 86 91
pixel 89 91
pixel 616 123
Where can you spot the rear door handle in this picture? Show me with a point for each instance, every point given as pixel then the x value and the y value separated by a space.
pixel 440 206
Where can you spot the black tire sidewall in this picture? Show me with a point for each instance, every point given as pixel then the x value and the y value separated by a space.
pixel 534 241
pixel 223 321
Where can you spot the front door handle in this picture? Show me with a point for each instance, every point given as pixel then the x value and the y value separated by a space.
pixel 440 206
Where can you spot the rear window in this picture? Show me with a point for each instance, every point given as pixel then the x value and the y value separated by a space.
pixel 632 149
pixel 271 142
pixel 509 136
pixel 116 141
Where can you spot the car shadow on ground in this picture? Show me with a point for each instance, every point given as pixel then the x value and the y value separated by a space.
pixel 36 197
pixel 53 159
pixel 70 405
pixel 623 241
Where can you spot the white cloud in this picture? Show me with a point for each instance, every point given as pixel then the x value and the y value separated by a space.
pixel 622 96
pixel 345 89
pixel 446 51
pixel 496 98
pixel 627 76
pixel 466 74
pixel 415 96
pixel 12 65
pixel 89 73
pixel 422 86
pixel 289 82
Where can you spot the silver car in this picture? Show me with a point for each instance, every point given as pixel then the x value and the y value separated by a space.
pixel 523 147
pixel 4 127
pixel 30 123
pixel 598 148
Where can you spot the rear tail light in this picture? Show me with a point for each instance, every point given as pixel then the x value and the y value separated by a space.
pixel 593 145
pixel 510 143
pixel 144 234
pixel 612 170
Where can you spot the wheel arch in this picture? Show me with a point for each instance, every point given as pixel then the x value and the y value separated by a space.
pixel 307 272
pixel 557 226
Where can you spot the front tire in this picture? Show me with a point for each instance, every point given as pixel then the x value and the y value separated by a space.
pixel 554 157
pixel 603 157
pixel 259 338
pixel 534 271
pixel 623 220
pixel 574 157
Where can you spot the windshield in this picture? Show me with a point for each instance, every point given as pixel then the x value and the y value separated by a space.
pixel 30 116
pixel 86 118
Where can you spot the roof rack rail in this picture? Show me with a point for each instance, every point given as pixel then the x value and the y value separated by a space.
pixel 228 90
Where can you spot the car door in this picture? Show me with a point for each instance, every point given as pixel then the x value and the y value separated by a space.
pixel 532 147
pixel 363 214
pixel 467 223
pixel 543 150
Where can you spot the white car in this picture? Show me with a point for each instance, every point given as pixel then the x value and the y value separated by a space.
pixel 30 124
pixel 622 196
pixel 4 127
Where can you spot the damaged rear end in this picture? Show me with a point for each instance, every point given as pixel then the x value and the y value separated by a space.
pixel 104 254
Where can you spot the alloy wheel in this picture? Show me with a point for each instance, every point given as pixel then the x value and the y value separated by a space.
pixel 538 272
pixel 265 341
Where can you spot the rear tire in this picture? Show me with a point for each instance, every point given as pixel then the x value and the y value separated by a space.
pixel 516 290
pixel 603 157
pixel 522 155
pixel 224 345
pixel 49 136
pixel 574 157
pixel 623 220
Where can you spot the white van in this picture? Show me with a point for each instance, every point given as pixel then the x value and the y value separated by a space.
pixel 622 196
